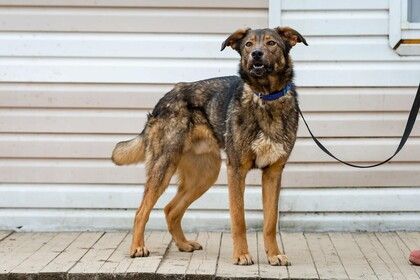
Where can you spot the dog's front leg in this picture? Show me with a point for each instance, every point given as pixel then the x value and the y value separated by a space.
pixel 236 182
pixel 271 181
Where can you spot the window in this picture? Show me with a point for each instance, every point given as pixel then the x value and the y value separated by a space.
pixel 404 26
pixel 413 10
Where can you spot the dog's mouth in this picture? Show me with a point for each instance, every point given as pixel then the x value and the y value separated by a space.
pixel 259 69
pixel 258 66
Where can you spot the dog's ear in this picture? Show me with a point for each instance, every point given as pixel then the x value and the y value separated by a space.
pixel 290 35
pixel 234 40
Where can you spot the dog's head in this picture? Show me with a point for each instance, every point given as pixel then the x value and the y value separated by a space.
pixel 263 51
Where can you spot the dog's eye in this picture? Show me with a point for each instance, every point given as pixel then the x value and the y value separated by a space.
pixel 248 44
pixel 271 43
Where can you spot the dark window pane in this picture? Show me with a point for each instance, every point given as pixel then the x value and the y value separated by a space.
pixel 413 10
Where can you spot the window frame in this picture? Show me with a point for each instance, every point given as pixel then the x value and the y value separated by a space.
pixel 404 36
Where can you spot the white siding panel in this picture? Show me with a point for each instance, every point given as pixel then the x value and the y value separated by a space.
pixel 292 200
pixel 113 45
pixel 349 74
pixel 346 48
pixel 140 3
pixel 381 221
pixel 409 50
pixel 370 99
pixel 347 22
pixel 81 95
pixel 89 19
pixel 325 5
pixel 112 70
pixel 296 174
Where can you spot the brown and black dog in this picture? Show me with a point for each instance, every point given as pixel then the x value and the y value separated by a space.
pixel 192 122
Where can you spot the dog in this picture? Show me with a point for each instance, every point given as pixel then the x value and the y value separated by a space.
pixel 254 118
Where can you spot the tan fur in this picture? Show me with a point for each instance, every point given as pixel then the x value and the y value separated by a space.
pixel 236 184
pixel 201 141
pixel 201 153
pixel 193 183
pixel 266 150
pixel 154 188
pixel 271 182
pixel 129 152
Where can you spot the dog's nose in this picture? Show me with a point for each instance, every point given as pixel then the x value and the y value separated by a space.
pixel 257 54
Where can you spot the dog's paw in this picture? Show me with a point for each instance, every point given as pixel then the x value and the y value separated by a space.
pixel 140 251
pixel 189 246
pixel 243 259
pixel 278 260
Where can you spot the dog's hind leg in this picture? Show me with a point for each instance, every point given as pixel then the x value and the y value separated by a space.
pixel 197 173
pixel 157 181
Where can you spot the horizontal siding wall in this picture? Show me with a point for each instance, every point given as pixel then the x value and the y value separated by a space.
pixel 77 77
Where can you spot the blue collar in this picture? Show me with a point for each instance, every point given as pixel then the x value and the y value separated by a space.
pixel 277 94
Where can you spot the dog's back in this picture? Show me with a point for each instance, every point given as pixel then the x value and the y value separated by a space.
pixel 205 102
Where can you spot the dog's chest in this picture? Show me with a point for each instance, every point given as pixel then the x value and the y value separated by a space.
pixel 269 127
pixel 266 150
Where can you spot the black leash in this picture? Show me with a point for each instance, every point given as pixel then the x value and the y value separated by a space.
pixel 408 127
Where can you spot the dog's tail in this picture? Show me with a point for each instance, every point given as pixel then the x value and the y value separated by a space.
pixel 129 152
